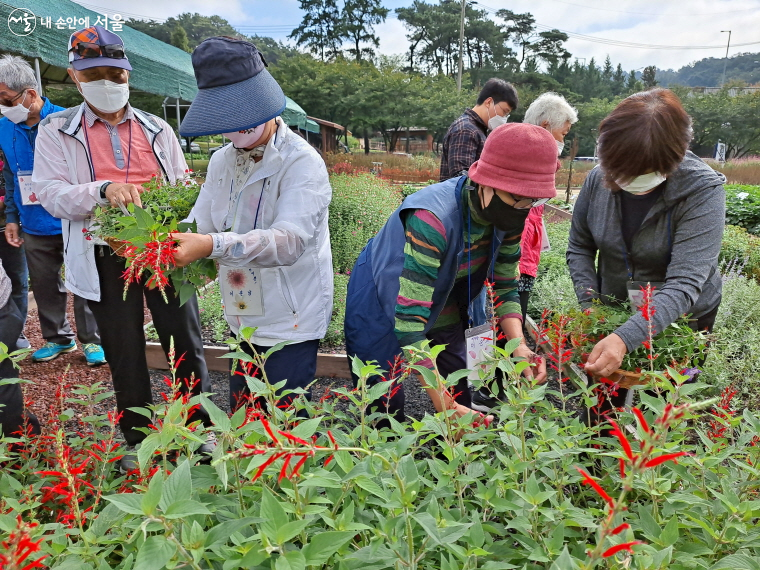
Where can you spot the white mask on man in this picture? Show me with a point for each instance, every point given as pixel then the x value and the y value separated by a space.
pixel 497 120
pixel 643 183
pixel 16 113
pixel 106 96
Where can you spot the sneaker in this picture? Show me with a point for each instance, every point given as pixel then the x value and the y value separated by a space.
pixel 52 350
pixel 128 461
pixel 483 401
pixel 210 445
pixel 93 354
pixel 22 342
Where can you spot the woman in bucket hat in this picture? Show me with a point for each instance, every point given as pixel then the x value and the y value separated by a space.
pixel 262 213
pixel 415 280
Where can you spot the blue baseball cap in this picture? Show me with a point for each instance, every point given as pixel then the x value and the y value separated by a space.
pixel 102 49
pixel 235 91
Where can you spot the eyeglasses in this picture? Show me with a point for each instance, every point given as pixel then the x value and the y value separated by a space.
pixel 90 50
pixel 526 203
pixel 9 102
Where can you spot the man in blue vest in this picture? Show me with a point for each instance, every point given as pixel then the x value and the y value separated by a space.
pixel 29 225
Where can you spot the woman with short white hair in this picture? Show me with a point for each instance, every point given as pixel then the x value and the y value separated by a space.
pixel 552 112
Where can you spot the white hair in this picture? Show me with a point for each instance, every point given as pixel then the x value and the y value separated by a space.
pixel 552 108
pixel 16 73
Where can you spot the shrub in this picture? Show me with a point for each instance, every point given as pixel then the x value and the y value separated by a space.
pixel 742 248
pixel 212 313
pixel 360 205
pixel 743 206
pixel 334 337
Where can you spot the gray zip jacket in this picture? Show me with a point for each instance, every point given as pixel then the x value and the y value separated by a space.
pixel 678 243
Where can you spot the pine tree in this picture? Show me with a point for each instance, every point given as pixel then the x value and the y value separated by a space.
pixel 632 85
pixel 359 19
pixel 648 77
pixel 618 80
pixel 320 29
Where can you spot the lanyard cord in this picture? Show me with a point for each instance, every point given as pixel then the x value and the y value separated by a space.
pixel 129 147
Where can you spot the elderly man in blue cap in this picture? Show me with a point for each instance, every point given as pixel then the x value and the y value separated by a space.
pixel 102 152
pixel 262 213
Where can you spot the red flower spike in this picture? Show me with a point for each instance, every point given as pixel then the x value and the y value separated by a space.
pixel 663 458
pixel 332 439
pixel 620 528
pixel 284 470
pixel 267 427
pixel 642 420
pixel 588 480
pixel 627 546
pixel 298 466
pixel 291 437
pixel 623 440
pixel 622 467
pixel 328 461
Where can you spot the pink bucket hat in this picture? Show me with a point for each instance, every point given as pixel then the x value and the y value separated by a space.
pixel 520 159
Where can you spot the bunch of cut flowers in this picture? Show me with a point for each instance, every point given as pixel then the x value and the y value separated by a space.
pixel 144 237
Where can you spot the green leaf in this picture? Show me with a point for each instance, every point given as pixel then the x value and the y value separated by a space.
pixel 144 219
pixel 669 535
pixel 186 292
pixel 306 428
pixel 127 502
pixel 178 486
pixel 427 522
pixel 289 530
pixel 370 486
pixel 153 495
pixel 221 533
pixel 147 448
pixel 219 418
pixel 323 545
pixel 154 553
pixel 185 508
pixel 736 562
pixel 564 561
pixel 291 560
pixel 273 514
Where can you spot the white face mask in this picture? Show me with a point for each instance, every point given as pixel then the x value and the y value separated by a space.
pixel 497 120
pixel 643 183
pixel 17 113
pixel 560 147
pixel 104 95
pixel 247 138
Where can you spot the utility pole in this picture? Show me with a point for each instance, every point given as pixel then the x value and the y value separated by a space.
pixel 726 61
pixel 461 47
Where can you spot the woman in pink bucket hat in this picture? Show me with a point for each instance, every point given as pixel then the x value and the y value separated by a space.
pixel 416 279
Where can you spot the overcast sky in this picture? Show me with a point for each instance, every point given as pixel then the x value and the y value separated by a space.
pixel 650 22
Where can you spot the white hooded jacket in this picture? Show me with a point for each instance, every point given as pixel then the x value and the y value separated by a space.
pixel 65 184
pixel 289 242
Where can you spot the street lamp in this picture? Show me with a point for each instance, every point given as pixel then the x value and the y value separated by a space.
pixel 726 62
pixel 461 44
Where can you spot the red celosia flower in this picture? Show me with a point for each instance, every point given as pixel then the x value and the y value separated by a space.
pixel 627 546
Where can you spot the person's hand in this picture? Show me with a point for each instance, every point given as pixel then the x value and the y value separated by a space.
pixel 13 235
pixel 607 356
pixel 123 194
pixel 191 247
pixel 539 370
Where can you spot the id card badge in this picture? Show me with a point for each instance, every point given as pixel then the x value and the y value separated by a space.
pixel 479 342
pixel 28 197
pixel 636 295
pixel 241 290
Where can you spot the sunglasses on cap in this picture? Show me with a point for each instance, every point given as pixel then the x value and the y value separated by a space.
pixel 88 50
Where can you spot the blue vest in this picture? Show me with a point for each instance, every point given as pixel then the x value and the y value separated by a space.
pixel 17 143
pixel 374 284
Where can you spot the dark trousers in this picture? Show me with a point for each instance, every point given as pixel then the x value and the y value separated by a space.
pixel 11 398
pixel 617 399
pixel 44 257
pixel 453 358
pixel 14 263
pixel 120 321
pixel 296 363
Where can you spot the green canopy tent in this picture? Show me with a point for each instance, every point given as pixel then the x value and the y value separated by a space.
pixel 159 68
pixel 295 116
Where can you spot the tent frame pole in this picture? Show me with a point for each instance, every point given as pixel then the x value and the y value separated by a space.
pixel 39 75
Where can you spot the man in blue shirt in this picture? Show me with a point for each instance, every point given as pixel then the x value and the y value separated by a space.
pixel 29 225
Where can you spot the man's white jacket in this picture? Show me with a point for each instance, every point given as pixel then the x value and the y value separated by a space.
pixel 289 241
pixel 64 181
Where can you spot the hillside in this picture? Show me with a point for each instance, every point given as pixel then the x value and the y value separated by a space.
pixel 708 72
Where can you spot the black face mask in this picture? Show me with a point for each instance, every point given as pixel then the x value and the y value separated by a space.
pixel 503 216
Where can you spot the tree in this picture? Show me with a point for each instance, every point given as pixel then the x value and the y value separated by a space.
pixel 359 19
pixel 196 27
pixel 179 38
pixel 320 29
pixel 520 29
pixel 648 77
pixel 632 85
pixel 618 80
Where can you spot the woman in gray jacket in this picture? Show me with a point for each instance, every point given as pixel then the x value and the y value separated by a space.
pixel 654 213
